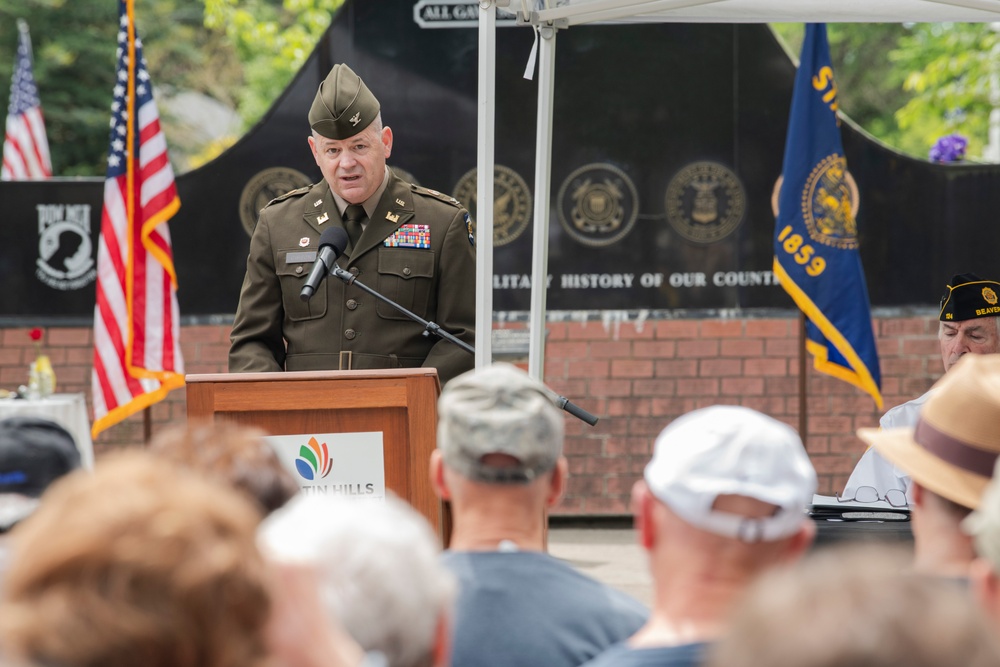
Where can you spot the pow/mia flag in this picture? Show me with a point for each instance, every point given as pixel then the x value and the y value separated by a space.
pixel 816 255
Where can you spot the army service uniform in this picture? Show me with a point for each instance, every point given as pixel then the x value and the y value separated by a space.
pixel 416 250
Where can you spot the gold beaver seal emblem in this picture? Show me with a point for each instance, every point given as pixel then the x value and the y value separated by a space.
pixel 511 203
pixel 990 296
pixel 705 202
pixel 265 186
pixel 828 204
pixel 598 204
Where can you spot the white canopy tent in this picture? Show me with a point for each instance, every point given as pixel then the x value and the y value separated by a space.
pixel 547 18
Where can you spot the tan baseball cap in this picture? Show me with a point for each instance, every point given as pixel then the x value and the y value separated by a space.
pixel 954 446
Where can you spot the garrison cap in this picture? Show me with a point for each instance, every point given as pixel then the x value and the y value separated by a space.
pixel 969 297
pixel 343 105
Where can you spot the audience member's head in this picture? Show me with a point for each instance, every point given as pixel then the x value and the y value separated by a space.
pixel 950 455
pixel 378 570
pixel 970 318
pixel 139 563
pixel 231 453
pixel 499 455
pixel 723 498
pixel 34 452
pixel 855 607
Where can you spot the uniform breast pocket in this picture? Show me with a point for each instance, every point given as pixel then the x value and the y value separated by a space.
pixel 292 276
pixel 406 276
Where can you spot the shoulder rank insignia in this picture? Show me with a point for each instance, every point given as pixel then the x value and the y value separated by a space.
pixel 410 236
pixel 469 228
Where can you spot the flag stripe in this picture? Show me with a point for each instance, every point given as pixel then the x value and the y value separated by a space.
pixel 25 148
pixel 137 356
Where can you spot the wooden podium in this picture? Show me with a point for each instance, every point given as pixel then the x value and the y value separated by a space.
pixel 399 403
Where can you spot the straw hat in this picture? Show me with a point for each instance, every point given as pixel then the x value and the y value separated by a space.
pixel 954 446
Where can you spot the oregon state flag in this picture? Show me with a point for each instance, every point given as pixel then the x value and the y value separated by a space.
pixel 816 254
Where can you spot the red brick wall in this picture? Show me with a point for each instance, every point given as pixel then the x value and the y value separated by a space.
pixel 635 376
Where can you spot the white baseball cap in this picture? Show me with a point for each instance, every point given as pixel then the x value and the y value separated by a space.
pixel 730 450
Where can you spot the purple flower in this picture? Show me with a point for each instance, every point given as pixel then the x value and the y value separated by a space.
pixel 949 148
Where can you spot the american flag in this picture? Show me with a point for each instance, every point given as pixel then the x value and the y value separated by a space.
pixel 25 147
pixel 137 354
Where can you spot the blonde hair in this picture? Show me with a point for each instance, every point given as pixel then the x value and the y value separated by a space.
pixel 139 563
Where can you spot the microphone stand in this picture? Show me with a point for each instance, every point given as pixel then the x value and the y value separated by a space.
pixel 433 329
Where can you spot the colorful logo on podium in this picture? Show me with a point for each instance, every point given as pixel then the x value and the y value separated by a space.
pixel 314 460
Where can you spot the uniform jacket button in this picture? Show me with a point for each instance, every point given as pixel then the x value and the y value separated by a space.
pixel 354 271
pixel 351 304
pixel 406 270
pixel 298 269
pixel 350 334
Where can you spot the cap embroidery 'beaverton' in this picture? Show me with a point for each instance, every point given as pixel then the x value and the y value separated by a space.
pixel 969 297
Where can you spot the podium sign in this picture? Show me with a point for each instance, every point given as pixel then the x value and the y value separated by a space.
pixel 342 428
pixel 342 464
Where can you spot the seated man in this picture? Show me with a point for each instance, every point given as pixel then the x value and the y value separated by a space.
pixel 139 563
pixel 969 324
pixel 723 500
pixel 950 456
pixel 34 452
pixel 377 571
pixel 499 462
pixel 855 606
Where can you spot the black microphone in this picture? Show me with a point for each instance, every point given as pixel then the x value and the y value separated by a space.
pixel 331 244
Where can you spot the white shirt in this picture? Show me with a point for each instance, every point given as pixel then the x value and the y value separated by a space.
pixel 873 469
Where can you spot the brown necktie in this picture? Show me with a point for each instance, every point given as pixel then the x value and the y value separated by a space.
pixel 353 217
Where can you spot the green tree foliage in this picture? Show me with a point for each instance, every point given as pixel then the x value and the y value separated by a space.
pixel 906 84
pixel 74 49
pixel 273 40
pixel 948 71
pixel 236 55
pixel 909 84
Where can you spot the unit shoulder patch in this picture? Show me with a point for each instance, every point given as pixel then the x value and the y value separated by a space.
pixel 448 199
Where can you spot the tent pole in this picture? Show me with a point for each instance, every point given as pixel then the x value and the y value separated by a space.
pixel 484 186
pixel 803 386
pixel 543 187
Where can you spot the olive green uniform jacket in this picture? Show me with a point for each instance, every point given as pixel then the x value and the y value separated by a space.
pixel 275 330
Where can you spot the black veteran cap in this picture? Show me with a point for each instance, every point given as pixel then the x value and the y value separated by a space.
pixel 343 105
pixel 969 297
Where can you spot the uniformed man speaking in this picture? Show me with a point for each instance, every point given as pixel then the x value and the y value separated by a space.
pixel 411 244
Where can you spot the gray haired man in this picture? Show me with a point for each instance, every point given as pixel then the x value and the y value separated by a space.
pixel 499 462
